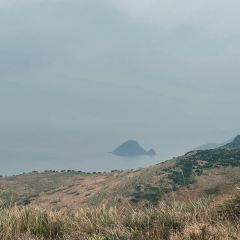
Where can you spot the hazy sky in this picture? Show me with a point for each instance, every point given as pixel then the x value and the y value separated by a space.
pixel 163 72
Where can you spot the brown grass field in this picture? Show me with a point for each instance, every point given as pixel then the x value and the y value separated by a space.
pixel 204 219
pixel 193 197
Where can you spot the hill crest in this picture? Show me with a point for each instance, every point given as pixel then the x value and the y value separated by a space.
pixel 234 144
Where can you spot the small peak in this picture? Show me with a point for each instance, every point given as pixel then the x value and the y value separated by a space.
pixel 132 148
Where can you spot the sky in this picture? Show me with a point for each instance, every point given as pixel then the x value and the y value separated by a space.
pixel 85 75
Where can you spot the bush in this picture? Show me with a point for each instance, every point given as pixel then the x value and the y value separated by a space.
pixel 230 209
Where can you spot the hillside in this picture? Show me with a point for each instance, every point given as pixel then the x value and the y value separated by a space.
pixel 196 174
pixel 209 146
pixel 234 144
pixel 195 196
pixel 204 219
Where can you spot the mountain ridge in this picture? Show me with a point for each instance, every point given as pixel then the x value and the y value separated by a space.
pixel 234 144
pixel 213 145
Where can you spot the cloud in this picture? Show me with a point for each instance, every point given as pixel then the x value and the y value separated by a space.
pixel 171 13
pixel 163 13
pixel 11 3
pixel 8 4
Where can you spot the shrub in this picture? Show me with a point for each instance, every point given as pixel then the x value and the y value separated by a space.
pixel 230 209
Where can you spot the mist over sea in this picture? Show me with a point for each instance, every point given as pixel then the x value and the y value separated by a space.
pixel 24 150
pixel 86 148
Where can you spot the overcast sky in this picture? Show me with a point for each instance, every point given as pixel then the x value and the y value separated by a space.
pixel 163 72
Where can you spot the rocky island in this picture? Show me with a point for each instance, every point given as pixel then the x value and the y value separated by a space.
pixel 132 148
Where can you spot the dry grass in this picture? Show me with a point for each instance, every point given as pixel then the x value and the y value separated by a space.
pixel 200 220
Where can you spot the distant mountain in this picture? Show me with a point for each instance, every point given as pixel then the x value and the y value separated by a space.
pixel 234 144
pixel 209 146
pixel 132 148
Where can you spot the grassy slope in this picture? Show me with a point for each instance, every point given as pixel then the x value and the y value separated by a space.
pixel 193 197
pixel 205 219
pixel 196 174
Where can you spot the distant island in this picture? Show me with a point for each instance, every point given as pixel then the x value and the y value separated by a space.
pixel 132 148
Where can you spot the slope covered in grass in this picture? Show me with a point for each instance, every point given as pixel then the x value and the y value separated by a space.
pixel 197 173
pixel 198 220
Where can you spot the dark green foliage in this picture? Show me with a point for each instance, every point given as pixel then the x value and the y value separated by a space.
pixel 231 209
pixel 187 168
pixel 177 177
pixel 198 172
pixel 188 165
pixel 213 158
pixel 148 193
pixel 212 191
pixel 184 173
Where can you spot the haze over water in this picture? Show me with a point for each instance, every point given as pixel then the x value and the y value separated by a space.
pixel 78 78
pixel 57 149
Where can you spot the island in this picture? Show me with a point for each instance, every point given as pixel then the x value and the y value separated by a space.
pixel 132 148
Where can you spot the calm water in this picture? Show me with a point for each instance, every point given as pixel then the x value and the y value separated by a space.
pixel 23 151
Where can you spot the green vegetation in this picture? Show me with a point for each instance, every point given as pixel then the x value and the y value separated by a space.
pixel 194 163
pixel 149 194
pixel 183 172
pixel 231 209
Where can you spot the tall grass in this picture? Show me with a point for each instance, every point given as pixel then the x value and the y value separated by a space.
pixel 199 220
